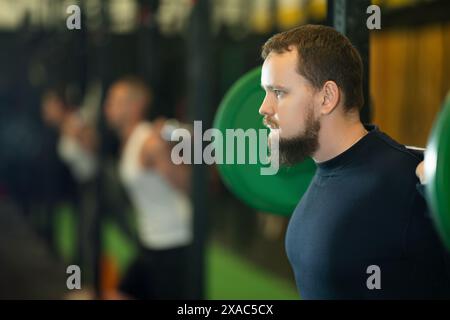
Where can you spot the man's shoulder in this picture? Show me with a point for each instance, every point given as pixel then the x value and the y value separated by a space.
pixel 390 163
pixel 396 151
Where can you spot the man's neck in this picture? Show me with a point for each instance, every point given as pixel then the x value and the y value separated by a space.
pixel 336 138
pixel 126 131
pixel 66 116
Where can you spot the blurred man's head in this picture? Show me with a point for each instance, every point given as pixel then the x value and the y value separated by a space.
pixel 54 107
pixel 312 76
pixel 127 102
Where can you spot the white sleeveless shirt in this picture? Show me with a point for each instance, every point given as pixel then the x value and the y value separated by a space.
pixel 163 212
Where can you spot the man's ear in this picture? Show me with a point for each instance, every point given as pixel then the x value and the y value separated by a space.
pixel 330 97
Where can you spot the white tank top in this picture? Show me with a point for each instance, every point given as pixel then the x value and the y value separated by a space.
pixel 163 212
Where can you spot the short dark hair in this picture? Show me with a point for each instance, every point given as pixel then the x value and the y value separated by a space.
pixel 324 54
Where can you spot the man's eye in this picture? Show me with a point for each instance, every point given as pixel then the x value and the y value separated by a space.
pixel 278 93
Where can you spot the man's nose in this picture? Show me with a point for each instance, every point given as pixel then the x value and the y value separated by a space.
pixel 266 108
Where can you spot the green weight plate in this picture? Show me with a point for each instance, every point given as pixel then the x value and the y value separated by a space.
pixel 279 193
pixel 437 172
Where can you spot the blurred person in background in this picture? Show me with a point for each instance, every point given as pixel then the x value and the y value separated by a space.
pixel 77 149
pixel 159 192
pixel 77 139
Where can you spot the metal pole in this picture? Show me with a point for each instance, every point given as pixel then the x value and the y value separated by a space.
pixel 199 77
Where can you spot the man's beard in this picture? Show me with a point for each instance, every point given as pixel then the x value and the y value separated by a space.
pixel 296 149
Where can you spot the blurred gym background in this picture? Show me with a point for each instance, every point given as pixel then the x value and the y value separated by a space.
pixel 190 52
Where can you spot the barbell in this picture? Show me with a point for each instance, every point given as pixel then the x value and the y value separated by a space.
pixel 281 192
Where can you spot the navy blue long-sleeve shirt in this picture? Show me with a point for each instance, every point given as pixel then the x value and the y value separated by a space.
pixel 362 208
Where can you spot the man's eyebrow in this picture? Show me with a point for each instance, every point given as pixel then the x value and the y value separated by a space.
pixel 274 87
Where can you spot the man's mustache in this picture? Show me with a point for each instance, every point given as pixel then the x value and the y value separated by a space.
pixel 270 123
